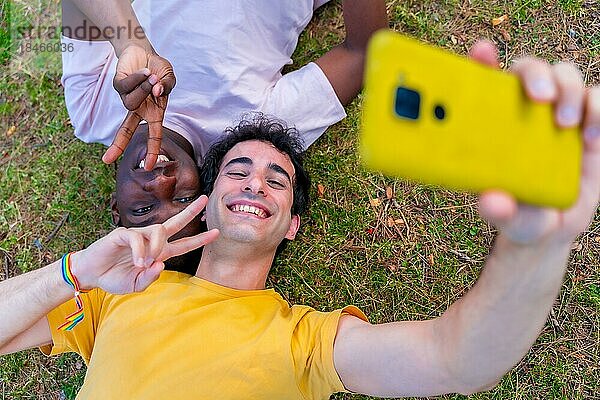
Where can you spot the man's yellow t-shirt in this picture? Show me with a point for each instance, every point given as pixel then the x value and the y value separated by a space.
pixel 187 338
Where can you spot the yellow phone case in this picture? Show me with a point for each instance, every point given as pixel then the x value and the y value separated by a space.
pixel 434 117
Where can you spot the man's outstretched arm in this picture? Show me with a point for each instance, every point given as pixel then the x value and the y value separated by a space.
pixel 485 333
pixel 344 64
pixel 124 261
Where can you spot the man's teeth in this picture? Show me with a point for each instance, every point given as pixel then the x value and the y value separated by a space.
pixel 161 158
pixel 249 209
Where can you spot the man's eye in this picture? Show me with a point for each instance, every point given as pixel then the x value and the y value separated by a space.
pixel 236 174
pixel 185 200
pixel 276 184
pixel 142 210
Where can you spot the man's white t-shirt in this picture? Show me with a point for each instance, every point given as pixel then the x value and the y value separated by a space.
pixel 227 57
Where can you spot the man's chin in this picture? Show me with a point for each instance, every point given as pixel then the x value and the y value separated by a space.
pixel 186 263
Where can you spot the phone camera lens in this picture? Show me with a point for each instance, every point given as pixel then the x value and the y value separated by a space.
pixel 440 112
pixel 407 104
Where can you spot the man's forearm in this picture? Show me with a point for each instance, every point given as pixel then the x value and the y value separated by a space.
pixel 490 329
pixel 116 20
pixel 344 64
pixel 362 18
pixel 29 297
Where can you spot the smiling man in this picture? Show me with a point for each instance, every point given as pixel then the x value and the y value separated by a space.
pixel 221 334
pixel 228 57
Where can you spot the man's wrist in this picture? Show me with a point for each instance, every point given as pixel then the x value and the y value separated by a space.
pixel 121 46
pixel 78 268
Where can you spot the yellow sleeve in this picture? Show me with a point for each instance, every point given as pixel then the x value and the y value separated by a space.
pixel 312 351
pixel 81 338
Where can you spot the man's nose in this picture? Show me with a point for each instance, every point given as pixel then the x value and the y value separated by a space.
pixel 162 186
pixel 255 184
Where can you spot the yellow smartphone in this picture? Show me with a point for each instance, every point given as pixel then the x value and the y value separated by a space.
pixel 435 117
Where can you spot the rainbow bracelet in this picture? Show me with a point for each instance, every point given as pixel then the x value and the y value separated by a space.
pixel 73 319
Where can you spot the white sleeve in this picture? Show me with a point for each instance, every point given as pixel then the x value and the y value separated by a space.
pixel 95 108
pixel 305 99
pixel 319 3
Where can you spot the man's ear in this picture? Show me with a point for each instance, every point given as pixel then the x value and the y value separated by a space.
pixel 116 217
pixel 294 226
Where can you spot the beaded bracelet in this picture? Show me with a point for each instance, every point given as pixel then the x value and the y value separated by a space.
pixel 76 317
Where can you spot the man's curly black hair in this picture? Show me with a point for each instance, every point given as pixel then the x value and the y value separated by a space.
pixel 257 126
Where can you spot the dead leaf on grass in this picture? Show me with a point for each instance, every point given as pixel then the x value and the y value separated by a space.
pixel 11 131
pixel 320 190
pixel 505 35
pixel 499 20
pixel 430 259
pixel 375 202
pixel 389 192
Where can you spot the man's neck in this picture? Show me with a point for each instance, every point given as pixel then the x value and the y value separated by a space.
pixel 238 267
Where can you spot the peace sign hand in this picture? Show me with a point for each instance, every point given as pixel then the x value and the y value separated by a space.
pixel 143 80
pixel 128 260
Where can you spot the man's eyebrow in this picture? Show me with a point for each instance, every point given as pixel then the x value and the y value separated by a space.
pixel 239 160
pixel 277 168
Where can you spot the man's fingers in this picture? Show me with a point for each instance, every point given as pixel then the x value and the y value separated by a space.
pixel 122 138
pixel 164 71
pixel 591 124
pixel 569 107
pixel 537 79
pixel 125 83
pixel 167 83
pixel 187 244
pixel 497 208
pixel 154 140
pixel 148 275
pixel 156 242
pixel 134 99
pixel 518 222
pixel 135 241
pixel 158 90
pixel 178 221
pixel 485 52
pixel 590 164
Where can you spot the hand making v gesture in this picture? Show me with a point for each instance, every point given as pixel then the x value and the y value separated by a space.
pixel 144 80
pixel 129 259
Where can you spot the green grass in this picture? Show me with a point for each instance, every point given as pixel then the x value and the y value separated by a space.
pixel 5 32
pixel 571 6
pixel 348 251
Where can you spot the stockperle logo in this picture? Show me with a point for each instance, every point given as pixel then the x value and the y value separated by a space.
pixel 5 31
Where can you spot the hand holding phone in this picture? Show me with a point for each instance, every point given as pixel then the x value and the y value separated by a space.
pixel 438 118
